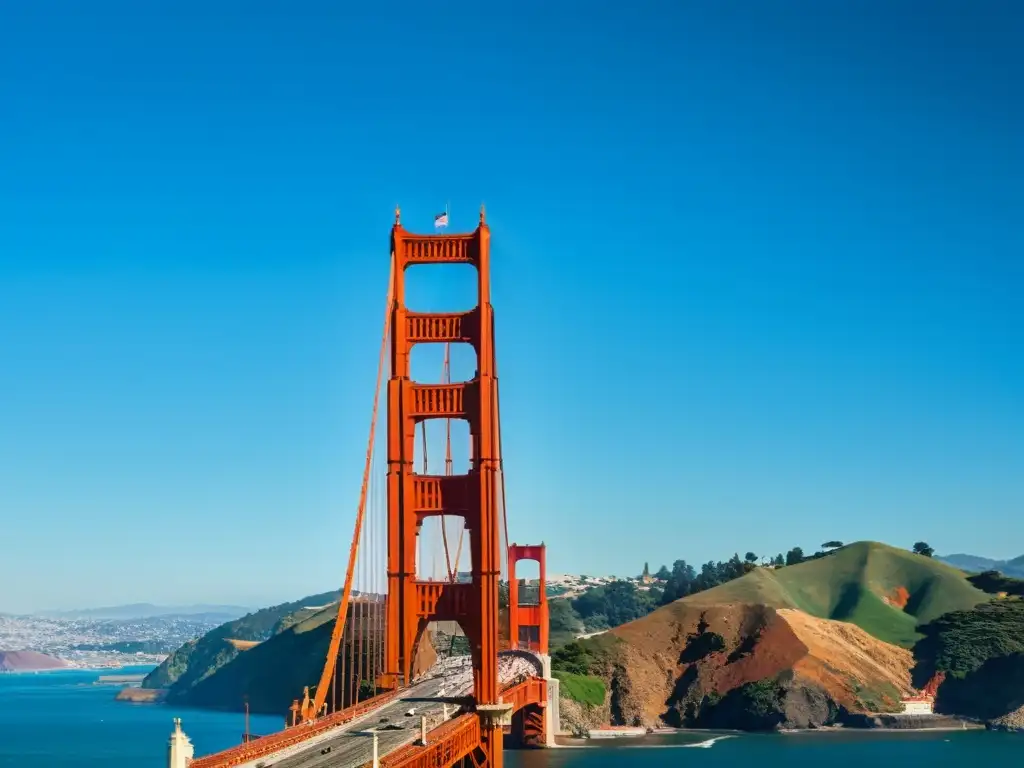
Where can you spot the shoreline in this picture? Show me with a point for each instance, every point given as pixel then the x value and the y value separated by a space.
pixel 881 729
pixel 711 737
pixel 58 670
pixel 965 726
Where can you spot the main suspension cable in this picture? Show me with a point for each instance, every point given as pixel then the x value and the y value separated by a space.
pixel 343 606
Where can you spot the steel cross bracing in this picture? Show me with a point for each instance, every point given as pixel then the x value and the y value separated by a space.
pixel 412 497
pixel 373 660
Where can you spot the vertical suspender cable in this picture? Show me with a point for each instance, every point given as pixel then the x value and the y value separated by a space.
pixel 346 595
pixel 501 453
pixel 374 546
pixel 446 378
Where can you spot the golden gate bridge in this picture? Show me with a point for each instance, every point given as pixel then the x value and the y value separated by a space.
pixel 384 696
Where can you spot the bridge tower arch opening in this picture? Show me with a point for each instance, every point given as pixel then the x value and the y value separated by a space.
pixel 412 497
pixel 384 612
pixel 528 603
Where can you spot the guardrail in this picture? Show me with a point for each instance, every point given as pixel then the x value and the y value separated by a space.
pixel 453 740
pixel 448 743
pixel 289 737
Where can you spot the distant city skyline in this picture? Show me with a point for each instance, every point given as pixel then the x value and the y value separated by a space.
pixel 553 578
pixel 756 276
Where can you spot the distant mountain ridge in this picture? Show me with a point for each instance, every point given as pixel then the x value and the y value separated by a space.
pixel 1014 567
pixel 149 611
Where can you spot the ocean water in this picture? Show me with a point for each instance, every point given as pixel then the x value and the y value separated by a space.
pixel 64 720
pixel 959 749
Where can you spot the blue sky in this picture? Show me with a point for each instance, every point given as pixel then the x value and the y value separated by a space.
pixel 757 275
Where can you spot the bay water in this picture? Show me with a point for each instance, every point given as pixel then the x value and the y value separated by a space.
pixel 65 719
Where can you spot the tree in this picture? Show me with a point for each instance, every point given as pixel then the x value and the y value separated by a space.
pixel 734 570
pixel 562 618
pixel 614 603
pixel 832 545
pixel 922 548
pixel 750 557
pixel 647 571
pixel 779 560
pixel 795 556
pixel 679 582
pixel 573 658
pixel 663 574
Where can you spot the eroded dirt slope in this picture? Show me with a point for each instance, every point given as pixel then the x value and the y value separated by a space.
pixel 748 666
pixel 850 663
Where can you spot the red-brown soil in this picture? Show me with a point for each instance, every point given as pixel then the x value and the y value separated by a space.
pixel 242 645
pixel 898 598
pixel 667 663
pixel 142 695
pixel 28 661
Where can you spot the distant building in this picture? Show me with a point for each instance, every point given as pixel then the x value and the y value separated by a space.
pixel 918 705
pixel 646 577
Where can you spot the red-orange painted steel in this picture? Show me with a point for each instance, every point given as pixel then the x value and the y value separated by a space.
pixel 474 496
pixel 456 739
pixel 446 746
pixel 527 615
pixel 532 690
pixel 288 737
pixel 412 604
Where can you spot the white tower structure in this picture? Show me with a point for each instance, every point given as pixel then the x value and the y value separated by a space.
pixel 179 749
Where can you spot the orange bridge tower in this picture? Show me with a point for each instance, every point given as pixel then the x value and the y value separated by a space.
pixel 527 622
pixel 412 497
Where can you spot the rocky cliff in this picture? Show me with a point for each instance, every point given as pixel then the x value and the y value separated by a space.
pixel 750 667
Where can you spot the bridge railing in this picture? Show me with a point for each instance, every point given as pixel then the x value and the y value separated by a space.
pixel 446 745
pixel 456 738
pixel 289 737
pixel 532 690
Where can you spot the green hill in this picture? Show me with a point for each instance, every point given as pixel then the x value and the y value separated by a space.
pixel 213 672
pixel 888 592
pixel 200 658
pixel 270 675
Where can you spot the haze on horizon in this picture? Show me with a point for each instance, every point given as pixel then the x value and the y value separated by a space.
pixel 756 275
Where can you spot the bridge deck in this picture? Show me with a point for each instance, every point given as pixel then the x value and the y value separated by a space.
pixel 350 744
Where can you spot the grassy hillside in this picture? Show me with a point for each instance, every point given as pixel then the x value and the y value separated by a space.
pixel 201 657
pixel 584 689
pixel 272 673
pixel 888 592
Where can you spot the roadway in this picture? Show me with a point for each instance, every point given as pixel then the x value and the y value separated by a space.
pixel 352 745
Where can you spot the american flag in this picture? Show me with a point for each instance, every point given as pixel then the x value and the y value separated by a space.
pixel 441 220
